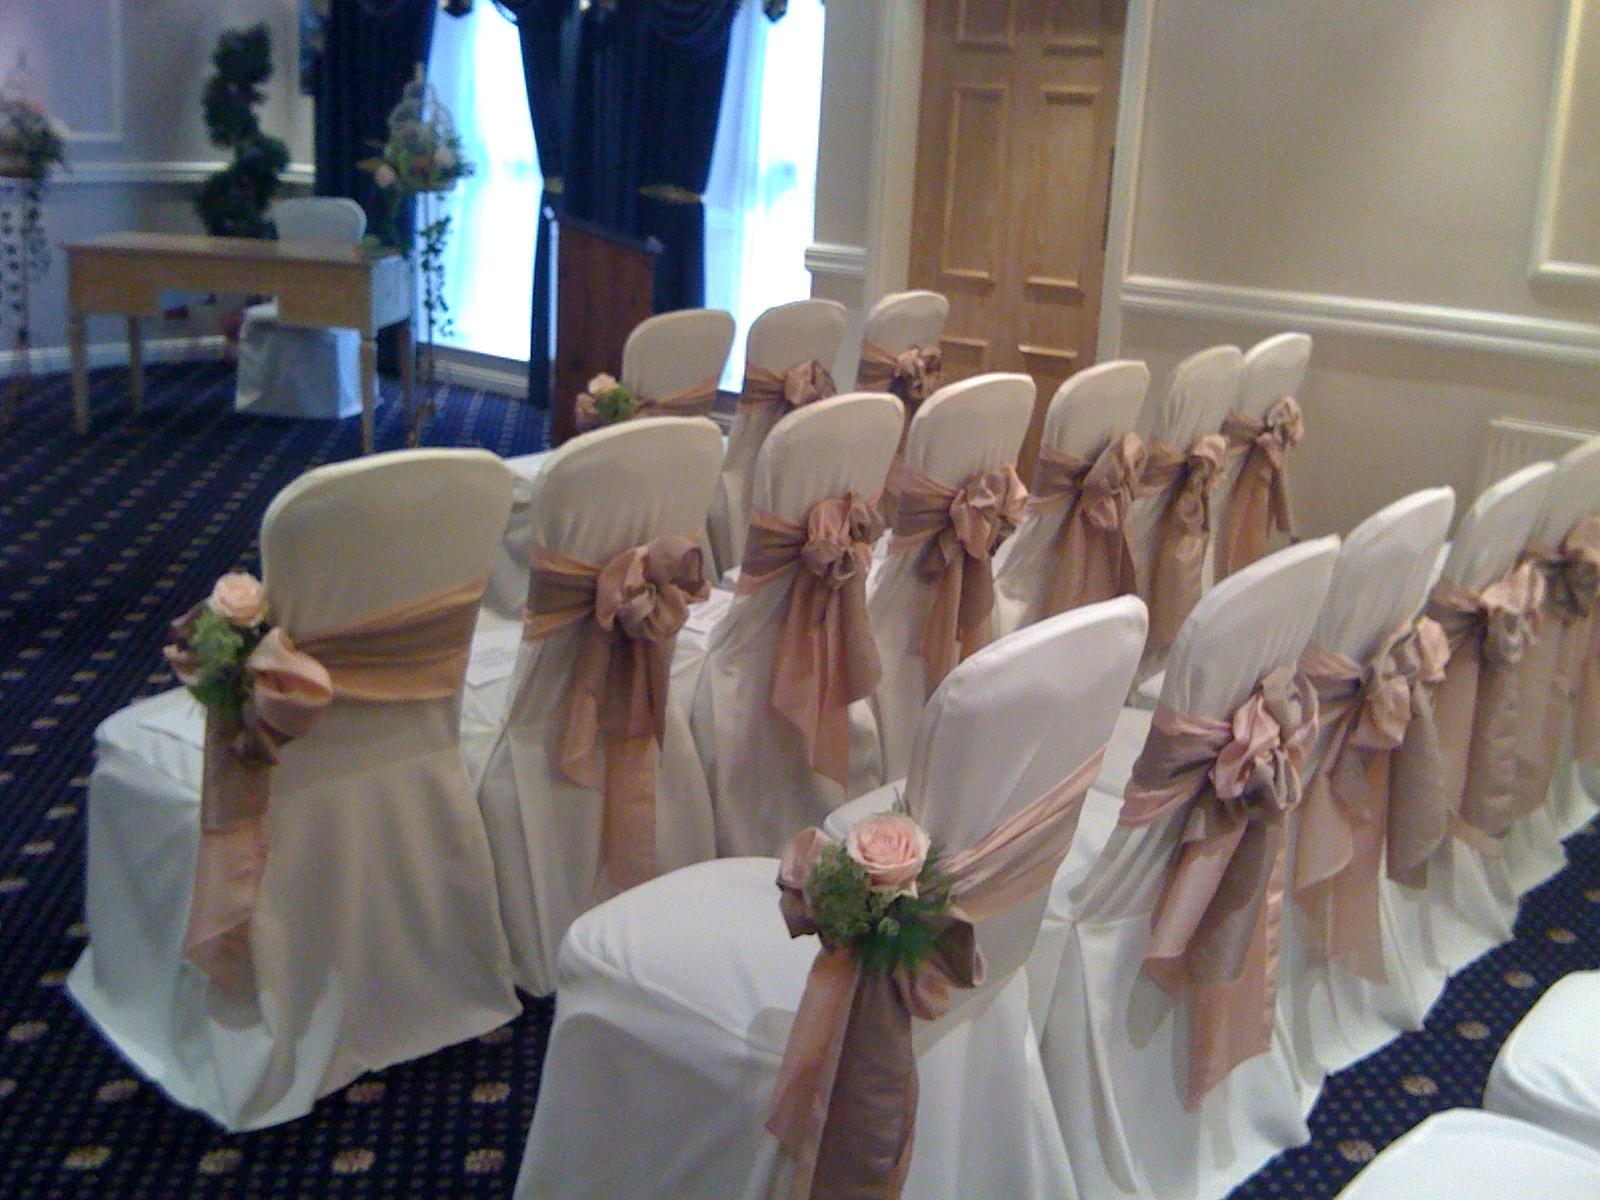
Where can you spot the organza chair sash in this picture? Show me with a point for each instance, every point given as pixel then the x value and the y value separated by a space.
pixel 826 657
pixel 913 375
pixel 1561 676
pixel 1182 530
pixel 1215 934
pixel 1477 703
pixel 1092 559
pixel 1260 500
pixel 954 532
pixel 629 612
pixel 693 401
pixel 414 653
pixel 845 1103
pixel 802 384
pixel 1367 711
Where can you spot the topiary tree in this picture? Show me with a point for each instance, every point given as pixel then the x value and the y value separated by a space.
pixel 234 201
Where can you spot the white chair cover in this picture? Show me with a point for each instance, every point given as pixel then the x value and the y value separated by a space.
pixel 1115 1045
pixel 962 430
pixel 677 997
pixel 902 320
pixel 763 789
pixel 1469 904
pixel 1334 1016
pixel 1088 410
pixel 1548 1071
pixel 598 496
pixel 1464 1154
pixel 296 370
pixel 781 338
pixel 370 812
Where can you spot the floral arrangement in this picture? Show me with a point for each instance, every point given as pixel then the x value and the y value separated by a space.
pixel 421 159
pixel 211 644
pixel 608 400
pixel 880 894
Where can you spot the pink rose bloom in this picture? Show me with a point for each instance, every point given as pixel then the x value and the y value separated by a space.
pixel 239 599
pixel 444 158
pixel 891 847
pixel 602 385
pixel 384 176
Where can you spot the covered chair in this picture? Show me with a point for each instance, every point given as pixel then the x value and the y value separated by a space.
pixel 930 604
pixel 677 998
pixel 1548 1071
pixel 294 370
pixel 789 357
pixel 900 351
pixel 772 713
pixel 376 933
pixel 593 784
pixel 1072 548
pixel 1182 1088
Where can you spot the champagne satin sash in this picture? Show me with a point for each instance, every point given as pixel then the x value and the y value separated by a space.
pixel 1260 501
pixel 693 401
pixel 1182 531
pixel 913 374
pixel 826 656
pixel 802 384
pixel 1559 663
pixel 1092 559
pixel 415 653
pixel 1215 934
pixel 845 1104
pixel 1367 710
pixel 629 612
pixel 955 531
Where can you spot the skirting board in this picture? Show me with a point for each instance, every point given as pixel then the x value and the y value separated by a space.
pixel 1569 342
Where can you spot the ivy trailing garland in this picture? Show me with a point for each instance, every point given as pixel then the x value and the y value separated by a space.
pixel 30 149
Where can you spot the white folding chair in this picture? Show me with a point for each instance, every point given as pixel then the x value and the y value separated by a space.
pixel 677 997
pixel 369 812
pixel 1091 408
pixel 296 370
pixel 781 339
pixel 763 787
pixel 1115 1045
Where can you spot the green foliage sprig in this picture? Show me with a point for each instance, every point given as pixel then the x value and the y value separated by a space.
pixel 886 931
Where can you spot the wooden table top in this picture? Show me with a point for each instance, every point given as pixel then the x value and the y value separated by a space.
pixel 188 245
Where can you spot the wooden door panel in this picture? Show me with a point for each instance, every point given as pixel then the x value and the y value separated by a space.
pixel 972 231
pixel 985 24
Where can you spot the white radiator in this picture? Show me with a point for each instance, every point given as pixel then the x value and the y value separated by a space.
pixel 1513 444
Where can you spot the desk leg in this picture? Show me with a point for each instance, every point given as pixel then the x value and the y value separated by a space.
pixel 408 371
pixel 369 390
pixel 79 334
pixel 136 363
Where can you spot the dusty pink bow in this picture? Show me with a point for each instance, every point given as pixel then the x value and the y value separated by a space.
pixel 802 384
pixel 1182 531
pixel 955 531
pixel 1367 711
pixel 629 611
pixel 845 1104
pixel 1260 501
pixel 1214 937
pixel 1092 559
pixel 826 655
pixel 693 401
pixel 913 374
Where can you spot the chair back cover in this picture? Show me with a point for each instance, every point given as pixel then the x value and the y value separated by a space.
pixel 1088 410
pixel 320 218
pixel 675 351
pixel 1574 494
pixel 1009 724
pixel 902 320
pixel 596 497
pixel 763 788
pixel 1494 530
pixel 962 430
pixel 781 338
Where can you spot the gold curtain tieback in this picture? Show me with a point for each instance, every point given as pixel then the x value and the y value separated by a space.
pixel 671 193
pixel 554 185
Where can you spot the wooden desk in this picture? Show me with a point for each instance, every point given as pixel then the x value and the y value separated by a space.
pixel 328 285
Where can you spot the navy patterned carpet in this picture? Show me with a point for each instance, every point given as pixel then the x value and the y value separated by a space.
pixel 102 540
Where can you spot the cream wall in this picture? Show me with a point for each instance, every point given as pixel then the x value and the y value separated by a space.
pixel 126 76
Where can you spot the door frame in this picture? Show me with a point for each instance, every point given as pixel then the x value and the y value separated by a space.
pixel 896 99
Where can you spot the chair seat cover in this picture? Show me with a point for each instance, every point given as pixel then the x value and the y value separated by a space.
pixel 1548 1070
pixel 678 996
pixel 1464 1154
pixel 410 978
pixel 296 370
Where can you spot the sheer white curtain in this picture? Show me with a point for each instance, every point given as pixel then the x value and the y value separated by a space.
pixel 760 200
pixel 476 69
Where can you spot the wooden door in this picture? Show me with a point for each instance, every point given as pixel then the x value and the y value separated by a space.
pixel 1014 151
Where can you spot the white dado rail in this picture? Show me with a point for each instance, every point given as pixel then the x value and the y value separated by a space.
pixel 119 174
pixel 836 261
pixel 1568 342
